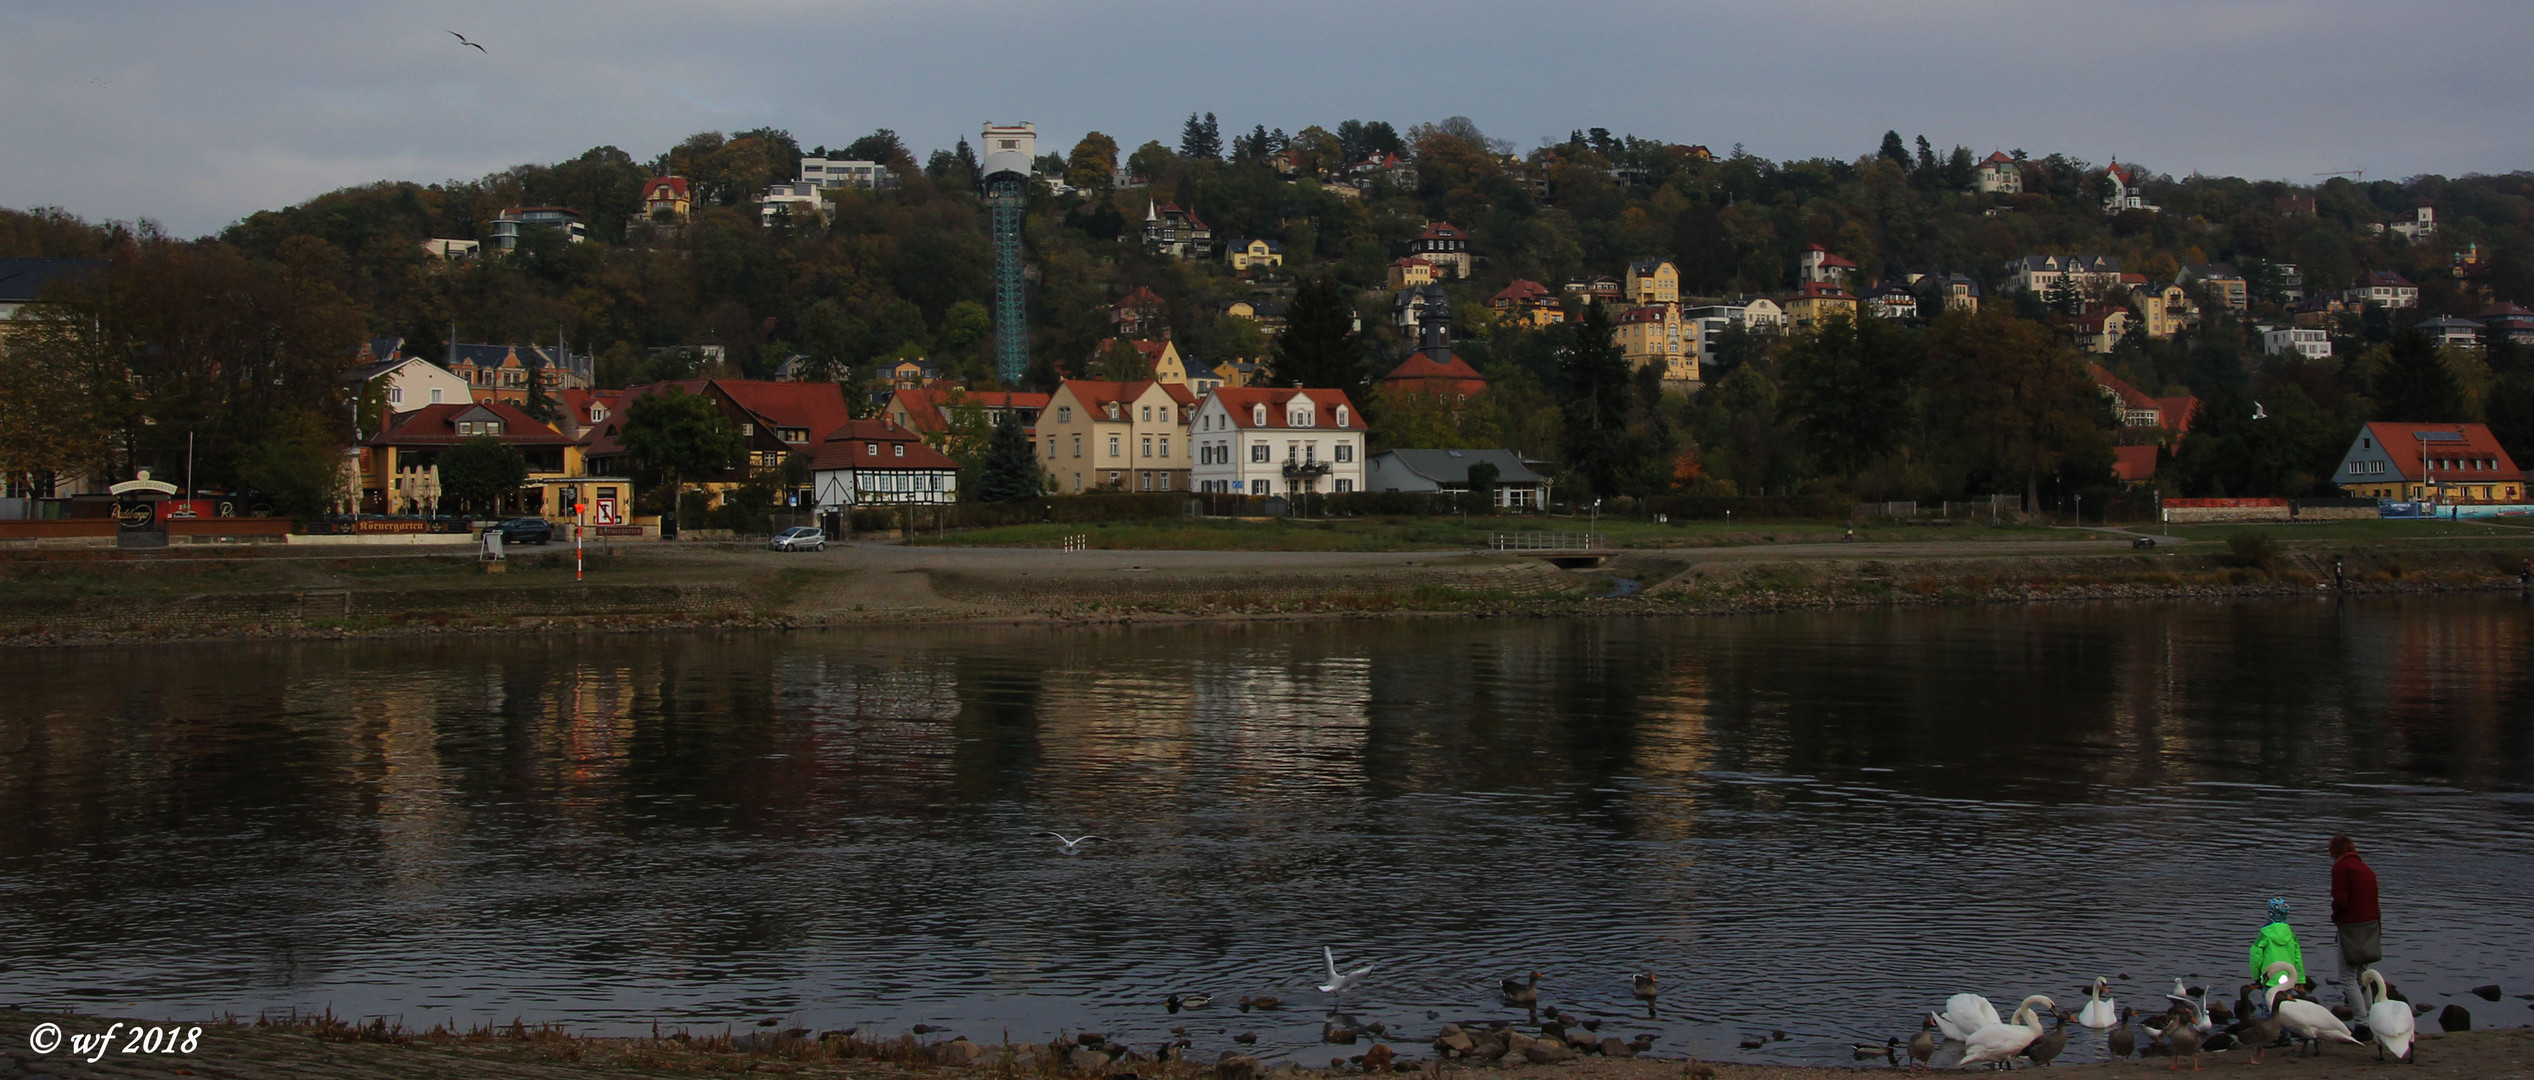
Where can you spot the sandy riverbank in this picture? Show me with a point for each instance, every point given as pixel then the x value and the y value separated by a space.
pixel 69 598
pixel 336 1052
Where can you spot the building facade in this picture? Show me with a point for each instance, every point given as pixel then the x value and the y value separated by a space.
pixel 1274 441
pixel 1119 436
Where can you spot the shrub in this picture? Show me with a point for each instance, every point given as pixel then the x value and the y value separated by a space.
pixel 2252 551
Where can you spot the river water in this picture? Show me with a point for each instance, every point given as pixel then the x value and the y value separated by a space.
pixel 1820 823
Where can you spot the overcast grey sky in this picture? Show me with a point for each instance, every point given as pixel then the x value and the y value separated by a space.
pixel 195 113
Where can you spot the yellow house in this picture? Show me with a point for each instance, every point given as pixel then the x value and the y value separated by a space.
pixel 400 466
pixel 1817 301
pixel 1244 254
pixel 1657 333
pixel 2164 310
pixel 1123 436
pixel 1410 273
pixel 1653 281
pixel 666 198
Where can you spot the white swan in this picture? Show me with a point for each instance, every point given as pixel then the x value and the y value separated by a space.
pixel 1965 1014
pixel 1999 1042
pixel 2099 1011
pixel 2310 1023
pixel 2390 1020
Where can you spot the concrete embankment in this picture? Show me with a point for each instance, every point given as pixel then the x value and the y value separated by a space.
pixel 56 598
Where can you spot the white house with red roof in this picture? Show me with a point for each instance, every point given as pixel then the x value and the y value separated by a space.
pixel 1819 266
pixel 1999 175
pixel 1254 440
pixel 875 462
pixel 1445 245
pixel 2127 190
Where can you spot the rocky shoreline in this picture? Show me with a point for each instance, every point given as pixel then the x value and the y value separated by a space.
pixel 1026 591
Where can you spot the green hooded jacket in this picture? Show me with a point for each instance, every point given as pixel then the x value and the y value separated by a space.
pixel 2275 943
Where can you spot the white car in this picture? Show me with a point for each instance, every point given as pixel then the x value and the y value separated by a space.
pixel 799 538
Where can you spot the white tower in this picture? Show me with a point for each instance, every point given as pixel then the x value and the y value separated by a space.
pixel 1010 148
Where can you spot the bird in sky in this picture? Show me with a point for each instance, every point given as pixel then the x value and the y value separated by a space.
pixel 2259 412
pixel 462 41
pixel 1072 846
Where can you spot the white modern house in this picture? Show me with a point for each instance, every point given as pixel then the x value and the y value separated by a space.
pixel 1447 472
pixel 1253 440
pixel 2313 343
pixel 409 382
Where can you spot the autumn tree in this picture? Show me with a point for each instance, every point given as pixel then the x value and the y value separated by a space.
pixel 479 471
pixel 2015 398
pixel 1848 383
pixel 1093 163
pixel 679 437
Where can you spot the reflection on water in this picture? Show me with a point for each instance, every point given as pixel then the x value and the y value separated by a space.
pixel 1816 822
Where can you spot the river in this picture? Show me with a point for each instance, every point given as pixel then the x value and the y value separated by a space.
pixel 1820 823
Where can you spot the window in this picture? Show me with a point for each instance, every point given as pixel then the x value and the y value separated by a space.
pixel 1344 486
pixel 435 395
pixel 1051 447
pixel 1165 446
pixel 1258 452
pixel 1064 414
pixel 1112 446
pixel 1345 451
pixel 1148 414
pixel 871 449
pixel 1077 445
pixel 1258 416
pixel 1341 416
pixel 1148 446
pixel 1258 487
pixel 1310 451
pixel 747 429
pixel 395 395
pixel 900 448
pixel 492 427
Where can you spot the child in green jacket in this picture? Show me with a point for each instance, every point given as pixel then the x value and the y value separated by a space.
pixel 2276 943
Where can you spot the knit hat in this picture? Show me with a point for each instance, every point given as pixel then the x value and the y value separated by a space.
pixel 2278 909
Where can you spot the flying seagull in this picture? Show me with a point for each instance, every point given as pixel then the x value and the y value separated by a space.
pixel 1339 982
pixel 462 41
pixel 2259 413
pixel 1072 846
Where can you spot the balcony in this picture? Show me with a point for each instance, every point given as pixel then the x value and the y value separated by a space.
pixel 1299 469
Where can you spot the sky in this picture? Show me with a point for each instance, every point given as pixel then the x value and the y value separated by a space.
pixel 195 113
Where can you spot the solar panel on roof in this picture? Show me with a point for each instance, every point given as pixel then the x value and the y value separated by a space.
pixel 2440 436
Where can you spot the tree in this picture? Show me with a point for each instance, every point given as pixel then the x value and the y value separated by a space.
pixel 1011 464
pixel 1319 346
pixel 480 470
pixel 1093 164
pixel 676 436
pixel 1150 162
pixel 1201 140
pixel 1894 150
pixel 1482 485
pixel 2014 397
pixel 1120 361
pixel 1848 384
pixel 1594 395
pixel 56 386
pixel 2414 386
pixel 299 465
pixel 1700 251
pixel 884 147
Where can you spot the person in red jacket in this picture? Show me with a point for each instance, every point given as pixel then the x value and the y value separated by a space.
pixel 2354 915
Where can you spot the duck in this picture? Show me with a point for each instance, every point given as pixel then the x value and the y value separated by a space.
pixel 1964 1014
pixel 2308 1022
pixel 1922 1046
pixel 1248 1003
pixel 2100 1010
pixel 1888 1050
pixel 1644 987
pixel 2388 1019
pixel 2123 1040
pixel 2000 1042
pixel 1523 993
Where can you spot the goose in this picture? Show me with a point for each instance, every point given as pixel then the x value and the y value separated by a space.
pixel 2388 1019
pixel 1644 987
pixel 2258 1034
pixel 1922 1046
pixel 1964 1014
pixel 1072 846
pixel 2308 1022
pixel 2051 1042
pixel 1520 993
pixel 2100 1010
pixel 1999 1042
pixel 2124 1039
pixel 2184 1040
pixel 1340 982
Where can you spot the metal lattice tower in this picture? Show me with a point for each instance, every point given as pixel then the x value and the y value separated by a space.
pixel 1009 159
pixel 1005 197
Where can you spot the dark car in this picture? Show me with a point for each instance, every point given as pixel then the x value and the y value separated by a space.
pixel 526 530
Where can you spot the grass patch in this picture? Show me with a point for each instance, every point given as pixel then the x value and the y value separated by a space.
pixel 1451 534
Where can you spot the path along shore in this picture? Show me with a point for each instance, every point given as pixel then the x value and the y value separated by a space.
pixel 69 598
pixel 329 1051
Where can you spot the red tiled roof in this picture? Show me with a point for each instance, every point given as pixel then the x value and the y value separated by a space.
pixel 1997 157
pixel 2383 279
pixel 2120 388
pixel 851 447
pixel 1441 230
pixel 2178 412
pixel 1238 400
pixel 1411 261
pixel 436 425
pixel 1422 372
pixel 1142 297
pixel 2134 464
pixel 923 407
pixel 2401 442
pixel 1651 313
pixel 1522 291
pixel 675 184
pixel 812 406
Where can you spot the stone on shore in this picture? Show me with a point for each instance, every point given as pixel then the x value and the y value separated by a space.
pixel 1236 1066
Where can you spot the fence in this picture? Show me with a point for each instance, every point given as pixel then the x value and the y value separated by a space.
pixel 1544 541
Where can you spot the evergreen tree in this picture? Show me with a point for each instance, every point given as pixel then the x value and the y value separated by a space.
pixel 1593 395
pixel 1010 473
pixel 1319 346
pixel 2414 386
pixel 1895 150
pixel 1201 139
pixel 1849 385
pixel 1925 170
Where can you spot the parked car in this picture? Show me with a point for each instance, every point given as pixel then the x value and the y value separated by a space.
pixel 526 530
pixel 799 538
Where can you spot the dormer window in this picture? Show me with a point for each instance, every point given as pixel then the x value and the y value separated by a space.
pixel 1341 416
pixel 598 413
pixel 1298 418
pixel 492 427
pixel 1258 416
pixel 871 449
pixel 1112 410
pixel 900 448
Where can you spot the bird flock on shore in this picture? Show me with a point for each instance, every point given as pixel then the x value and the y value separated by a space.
pixel 2273 1012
